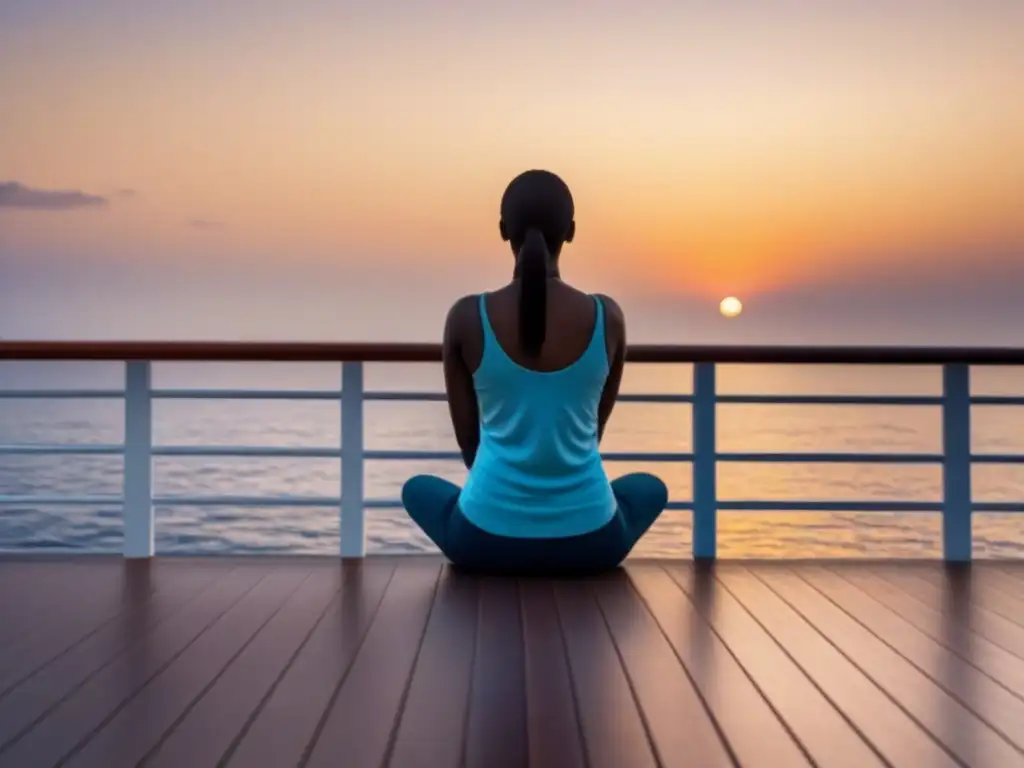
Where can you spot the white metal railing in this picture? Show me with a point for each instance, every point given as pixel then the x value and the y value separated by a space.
pixel 138 450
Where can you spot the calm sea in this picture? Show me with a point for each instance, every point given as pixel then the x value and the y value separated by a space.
pixel 408 426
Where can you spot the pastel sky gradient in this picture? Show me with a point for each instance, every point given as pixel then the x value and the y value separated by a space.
pixel 853 169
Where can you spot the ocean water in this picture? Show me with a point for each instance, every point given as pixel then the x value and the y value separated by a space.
pixel 425 426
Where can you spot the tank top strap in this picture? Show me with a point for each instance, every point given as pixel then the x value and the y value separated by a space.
pixel 490 340
pixel 597 340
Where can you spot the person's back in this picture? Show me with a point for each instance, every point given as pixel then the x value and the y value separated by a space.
pixel 532 371
pixel 538 472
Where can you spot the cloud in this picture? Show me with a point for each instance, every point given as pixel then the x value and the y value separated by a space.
pixel 16 195
pixel 205 224
pixel 126 194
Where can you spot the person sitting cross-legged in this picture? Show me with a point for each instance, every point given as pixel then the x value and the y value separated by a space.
pixel 532 371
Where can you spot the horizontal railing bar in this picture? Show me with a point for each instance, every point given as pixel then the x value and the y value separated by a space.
pixel 223 351
pixel 659 457
pixel 239 451
pixel 42 449
pixel 28 551
pixel 830 506
pixel 46 501
pixel 301 453
pixel 335 395
pixel 420 397
pixel 61 394
pixel 998 506
pixel 383 455
pixel 245 394
pixel 831 458
pixel 328 501
pixel 997 458
pixel 680 506
pixel 246 501
pixel 382 504
pixel 888 400
pixel 232 451
pixel 653 398
pixel 997 400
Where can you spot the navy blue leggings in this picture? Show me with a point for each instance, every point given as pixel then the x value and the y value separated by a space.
pixel 433 504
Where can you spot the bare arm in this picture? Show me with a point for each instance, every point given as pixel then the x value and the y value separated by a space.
pixel 458 382
pixel 615 335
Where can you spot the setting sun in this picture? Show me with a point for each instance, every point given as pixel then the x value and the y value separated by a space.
pixel 730 307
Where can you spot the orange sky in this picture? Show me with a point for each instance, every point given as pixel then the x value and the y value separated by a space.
pixel 732 150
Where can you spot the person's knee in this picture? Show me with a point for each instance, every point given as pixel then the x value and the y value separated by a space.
pixel 412 490
pixel 658 491
pixel 427 496
pixel 647 489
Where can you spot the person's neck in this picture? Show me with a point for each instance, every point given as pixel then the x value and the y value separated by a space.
pixel 553 272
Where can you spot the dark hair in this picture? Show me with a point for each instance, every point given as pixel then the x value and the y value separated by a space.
pixel 536 218
pixel 532 261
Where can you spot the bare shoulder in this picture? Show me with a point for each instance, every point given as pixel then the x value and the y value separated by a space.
pixel 463 333
pixel 461 316
pixel 613 311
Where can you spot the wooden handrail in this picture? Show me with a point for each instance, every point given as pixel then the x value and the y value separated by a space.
pixel 227 351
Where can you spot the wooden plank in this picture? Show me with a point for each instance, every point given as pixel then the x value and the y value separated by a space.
pixel 60 635
pixel 1001 581
pixel 431 730
pixel 822 730
pixel 496 729
pixel 76 718
pixel 66 600
pixel 753 730
pixel 133 731
pixel 357 727
pixel 961 731
pixel 552 716
pixel 31 588
pixel 91 595
pixel 899 739
pixel 31 699
pixel 285 721
pixel 614 733
pixel 933 588
pixel 206 732
pixel 949 628
pixel 1011 570
pixel 681 727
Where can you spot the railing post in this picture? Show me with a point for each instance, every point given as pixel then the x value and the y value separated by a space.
pixel 138 460
pixel 353 524
pixel 705 495
pixel 957 542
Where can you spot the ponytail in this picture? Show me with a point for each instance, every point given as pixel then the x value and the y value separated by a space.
pixel 532 262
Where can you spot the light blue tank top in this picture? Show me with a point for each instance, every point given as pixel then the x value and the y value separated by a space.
pixel 538 472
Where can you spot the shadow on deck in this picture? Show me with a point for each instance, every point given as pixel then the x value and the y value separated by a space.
pixel 400 661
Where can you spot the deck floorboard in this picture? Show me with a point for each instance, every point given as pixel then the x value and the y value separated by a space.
pixel 897 737
pixel 401 661
pixel 551 709
pixel 829 738
pixel 913 688
pixel 432 727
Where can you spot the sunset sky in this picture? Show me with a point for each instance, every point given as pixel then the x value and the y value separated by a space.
pixel 854 170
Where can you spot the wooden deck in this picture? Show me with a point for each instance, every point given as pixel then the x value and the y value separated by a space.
pixel 400 661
